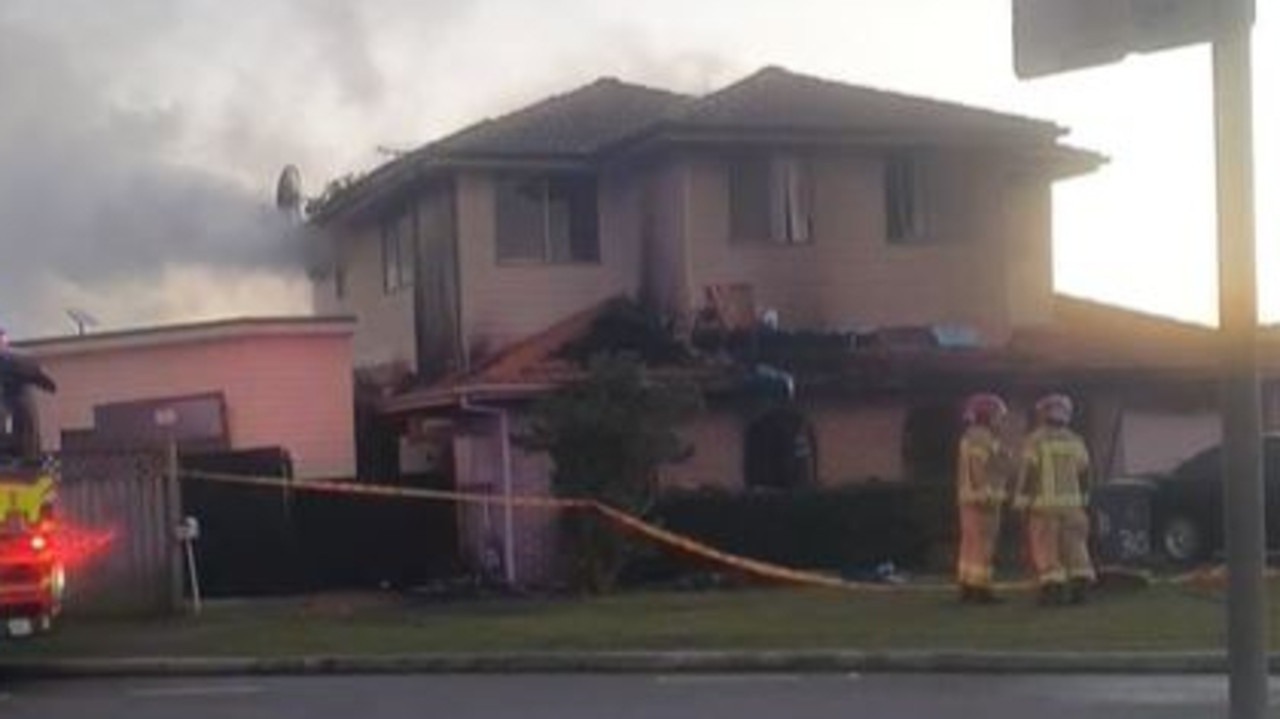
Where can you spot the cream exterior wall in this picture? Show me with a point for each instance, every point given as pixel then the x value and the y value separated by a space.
pixel 856 443
pixel 850 276
pixel 384 332
pixel 505 302
pixel 478 458
pixel 665 236
pixel 716 463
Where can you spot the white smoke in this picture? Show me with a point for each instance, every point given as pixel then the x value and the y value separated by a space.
pixel 140 140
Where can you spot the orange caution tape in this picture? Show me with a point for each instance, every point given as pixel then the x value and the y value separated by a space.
pixel 384 490
pixel 753 567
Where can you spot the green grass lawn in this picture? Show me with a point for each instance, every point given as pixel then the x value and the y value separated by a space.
pixel 1159 618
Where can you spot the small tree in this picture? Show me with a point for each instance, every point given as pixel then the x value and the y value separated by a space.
pixel 608 434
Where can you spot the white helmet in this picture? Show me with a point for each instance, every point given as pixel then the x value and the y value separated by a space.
pixel 1055 409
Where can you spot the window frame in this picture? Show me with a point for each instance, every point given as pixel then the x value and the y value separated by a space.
pixel 339 280
pixel 906 199
pixel 788 189
pixel 580 213
pixel 398 239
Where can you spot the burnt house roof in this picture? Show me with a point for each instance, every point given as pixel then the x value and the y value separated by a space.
pixel 580 123
pixel 775 99
pixel 581 127
pixel 1087 342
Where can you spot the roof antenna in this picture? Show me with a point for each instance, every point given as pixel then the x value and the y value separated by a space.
pixel 82 320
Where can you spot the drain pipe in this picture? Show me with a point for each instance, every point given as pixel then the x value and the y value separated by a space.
pixel 508 512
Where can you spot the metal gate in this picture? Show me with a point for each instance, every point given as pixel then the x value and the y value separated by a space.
pixel 134 495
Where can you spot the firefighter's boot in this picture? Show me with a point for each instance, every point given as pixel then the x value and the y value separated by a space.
pixel 1052 594
pixel 1078 591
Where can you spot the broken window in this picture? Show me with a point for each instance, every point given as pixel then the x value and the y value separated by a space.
pixel 904 199
pixel 781 451
pixel 930 436
pixel 548 219
pixel 770 199
pixel 397 253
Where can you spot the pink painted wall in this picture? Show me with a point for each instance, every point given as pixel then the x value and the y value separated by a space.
pixel 290 389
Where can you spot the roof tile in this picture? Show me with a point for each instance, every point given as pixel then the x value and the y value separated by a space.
pixel 775 98
pixel 581 122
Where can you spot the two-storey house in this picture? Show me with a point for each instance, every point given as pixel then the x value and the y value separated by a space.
pixel 821 206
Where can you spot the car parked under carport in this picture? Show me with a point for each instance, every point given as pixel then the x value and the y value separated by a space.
pixel 1187 505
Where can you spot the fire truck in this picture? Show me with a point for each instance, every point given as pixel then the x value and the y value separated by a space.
pixel 32 575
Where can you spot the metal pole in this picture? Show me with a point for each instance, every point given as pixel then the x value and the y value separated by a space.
pixel 1238 313
pixel 173 514
pixel 508 511
pixel 194 573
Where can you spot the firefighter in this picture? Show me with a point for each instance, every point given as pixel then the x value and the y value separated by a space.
pixel 982 477
pixel 1052 491
pixel 19 430
pixel 8 391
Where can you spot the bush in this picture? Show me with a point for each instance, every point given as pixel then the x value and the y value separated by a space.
pixel 607 435
pixel 847 530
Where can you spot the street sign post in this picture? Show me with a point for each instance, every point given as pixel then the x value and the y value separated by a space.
pixel 1053 36
pixel 1242 414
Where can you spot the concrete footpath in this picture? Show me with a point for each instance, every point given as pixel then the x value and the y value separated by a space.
pixel 667 662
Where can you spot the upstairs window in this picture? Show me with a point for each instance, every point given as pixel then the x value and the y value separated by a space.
pixel 547 219
pixel 397 253
pixel 905 199
pixel 339 280
pixel 770 199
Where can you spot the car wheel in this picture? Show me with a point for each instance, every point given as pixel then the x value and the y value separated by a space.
pixel 1182 539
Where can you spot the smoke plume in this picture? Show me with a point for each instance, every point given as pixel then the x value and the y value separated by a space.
pixel 140 139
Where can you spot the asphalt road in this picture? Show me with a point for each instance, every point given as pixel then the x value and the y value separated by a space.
pixel 777 696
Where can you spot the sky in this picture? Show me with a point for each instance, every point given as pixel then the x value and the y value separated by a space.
pixel 140 140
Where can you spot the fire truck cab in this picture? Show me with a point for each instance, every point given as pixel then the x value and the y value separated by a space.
pixel 32 576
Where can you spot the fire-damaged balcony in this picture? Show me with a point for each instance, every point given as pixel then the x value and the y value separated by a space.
pixel 802 410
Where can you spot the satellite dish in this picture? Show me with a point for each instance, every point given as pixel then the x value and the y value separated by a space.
pixel 289 190
pixel 83 320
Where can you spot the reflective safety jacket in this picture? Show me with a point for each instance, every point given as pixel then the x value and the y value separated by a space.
pixel 982 472
pixel 24 500
pixel 1054 472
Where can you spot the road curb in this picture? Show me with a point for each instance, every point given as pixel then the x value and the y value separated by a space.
pixel 636 663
